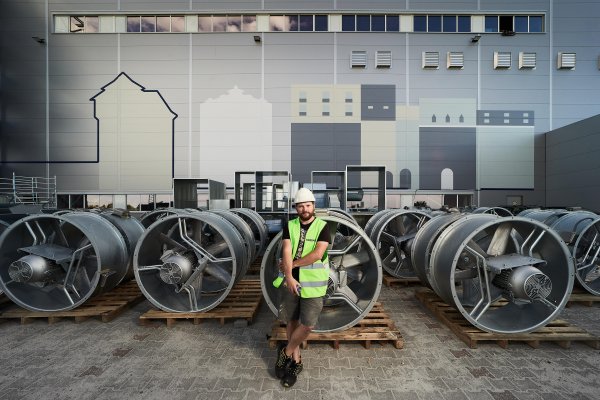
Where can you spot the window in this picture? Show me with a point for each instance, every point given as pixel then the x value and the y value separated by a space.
pixel 506 23
pixel 163 24
pixel 434 23
pixel 348 23
pixel 363 23
pixel 148 23
pixel 521 23
pixel 348 97
pixel 204 23
pixel 249 23
pixel 302 97
pixel 491 23
pixel 449 23
pixel 392 23
pixel 81 24
pixel 306 23
pixel 177 23
pixel 133 24
pixel 325 97
pixel 321 23
pixel 302 110
pixel 420 23
pixel 536 24
pixel 378 23
pixel 325 112
pixel 464 23
pixel 348 111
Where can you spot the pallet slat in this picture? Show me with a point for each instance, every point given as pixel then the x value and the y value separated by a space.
pixel 242 302
pixel 105 306
pixel 370 329
pixel 391 281
pixel 558 331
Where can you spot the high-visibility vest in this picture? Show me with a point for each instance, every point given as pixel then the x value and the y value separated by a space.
pixel 314 277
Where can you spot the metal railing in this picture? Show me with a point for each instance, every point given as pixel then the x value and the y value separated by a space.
pixel 28 190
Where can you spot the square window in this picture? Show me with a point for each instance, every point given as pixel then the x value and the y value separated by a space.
pixel 536 24
pixel 464 23
pixel 363 23
pixel 525 121
pixel 177 23
pixel 434 23
pixel 420 23
pixel 133 24
pixel 348 23
pixel 306 23
pixel 219 23
pixel 521 23
pixel 234 23
pixel 449 23
pixel 163 23
pixel 293 23
pixel 148 23
pixel 507 121
pixel 486 121
pixel 491 23
pixel 392 23
pixel 204 23
pixel 321 24
pixel 378 23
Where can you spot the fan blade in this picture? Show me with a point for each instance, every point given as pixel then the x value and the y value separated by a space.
pixel 348 293
pixel 218 272
pixel 500 239
pixel 472 245
pixel 351 260
pixel 354 274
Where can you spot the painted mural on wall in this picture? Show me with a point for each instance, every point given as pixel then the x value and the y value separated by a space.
pixel 135 130
pixel 442 143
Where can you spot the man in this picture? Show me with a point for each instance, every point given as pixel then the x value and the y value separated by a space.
pixel 304 272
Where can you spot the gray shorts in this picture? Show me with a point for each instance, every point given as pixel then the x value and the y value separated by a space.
pixel 294 308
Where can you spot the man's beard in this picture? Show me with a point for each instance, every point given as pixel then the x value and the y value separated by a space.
pixel 303 219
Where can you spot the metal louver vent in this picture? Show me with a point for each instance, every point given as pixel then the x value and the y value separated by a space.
pixel 431 59
pixel 502 59
pixel 456 59
pixel 358 59
pixel 566 60
pixel 527 60
pixel 383 59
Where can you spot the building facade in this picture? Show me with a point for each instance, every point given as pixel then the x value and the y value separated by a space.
pixel 116 98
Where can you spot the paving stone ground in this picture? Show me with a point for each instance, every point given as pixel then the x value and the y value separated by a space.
pixel 123 360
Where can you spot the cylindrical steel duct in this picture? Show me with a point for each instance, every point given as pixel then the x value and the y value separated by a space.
pixel 189 261
pixel 57 262
pixel 499 211
pixel 150 217
pixel 393 235
pixel 504 275
pixel 258 226
pixel 354 276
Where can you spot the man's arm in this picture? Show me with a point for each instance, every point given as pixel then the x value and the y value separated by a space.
pixel 313 256
pixel 287 265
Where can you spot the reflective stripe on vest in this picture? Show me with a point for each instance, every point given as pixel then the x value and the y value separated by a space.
pixel 314 277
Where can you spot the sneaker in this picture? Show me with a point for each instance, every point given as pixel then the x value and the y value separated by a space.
pixel 292 373
pixel 282 361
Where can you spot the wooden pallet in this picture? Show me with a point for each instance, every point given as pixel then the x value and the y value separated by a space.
pixel 242 302
pixel 390 281
pixel 557 331
pixel 254 268
pixel 580 296
pixel 375 327
pixel 105 306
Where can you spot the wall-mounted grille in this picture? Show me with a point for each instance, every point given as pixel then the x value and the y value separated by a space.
pixel 502 59
pixel 431 59
pixel 358 59
pixel 566 60
pixel 383 59
pixel 527 60
pixel 456 60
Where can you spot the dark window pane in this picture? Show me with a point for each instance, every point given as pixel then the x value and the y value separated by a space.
pixel 234 23
pixel 420 23
pixel 449 23
pixel 392 23
pixel 536 23
pixel 292 23
pixel 506 23
pixel 491 23
pixel 321 23
pixel 91 24
pixel 464 23
pixel 348 23
pixel 78 24
pixel 434 23
pixel 378 23
pixel 363 23
pixel 177 23
pixel 149 23
pixel 521 23
pixel 133 24
pixel 163 23
pixel 306 23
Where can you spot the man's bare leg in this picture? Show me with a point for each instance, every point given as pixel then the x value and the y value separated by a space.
pixel 296 334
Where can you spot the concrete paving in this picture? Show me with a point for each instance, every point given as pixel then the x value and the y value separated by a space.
pixel 123 360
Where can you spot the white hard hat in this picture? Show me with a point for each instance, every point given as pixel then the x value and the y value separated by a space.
pixel 303 195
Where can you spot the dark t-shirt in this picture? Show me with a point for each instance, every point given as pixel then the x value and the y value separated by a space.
pixel 323 237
